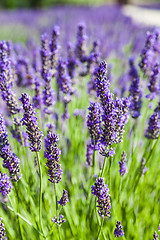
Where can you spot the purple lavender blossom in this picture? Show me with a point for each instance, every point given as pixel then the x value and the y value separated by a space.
pixel 155 235
pixel 37 99
pixel 15 130
pixel 153 85
pixel 58 221
pixel 118 232
pixel 5 184
pixel 152 132
pixel 136 95
pixel 94 122
pixel 102 84
pixel 148 54
pixel 63 80
pixel 133 73
pixel 54 45
pixel 122 164
pixel 6 79
pixel 101 190
pixel 89 153
pixel 30 121
pixel 64 199
pixel 3 134
pixel 71 61
pixel 80 45
pixel 48 93
pixel 2 230
pixel 45 54
pixel 10 161
pixel 52 153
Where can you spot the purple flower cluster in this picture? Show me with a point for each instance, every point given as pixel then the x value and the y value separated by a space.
pixel 2 230
pixel 149 55
pixel 114 112
pixel 89 153
pixel 5 184
pixel 52 153
pixel 80 45
pixel 101 190
pixel 64 199
pixel 153 85
pixel 10 161
pixel 118 232
pixel 122 164
pixel 94 123
pixel 48 94
pixel 45 54
pixel 152 132
pixel 135 94
pixel 58 221
pixel 37 100
pixel 71 61
pixel 30 121
pixel 63 80
pixel 155 235
pixel 6 79
pixel 54 46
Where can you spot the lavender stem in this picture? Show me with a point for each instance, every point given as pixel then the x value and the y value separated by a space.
pixel 40 194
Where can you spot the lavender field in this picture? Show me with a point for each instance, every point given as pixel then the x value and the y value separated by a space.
pixel 79 125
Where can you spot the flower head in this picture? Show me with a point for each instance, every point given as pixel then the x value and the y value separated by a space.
pixel 2 230
pixel 58 221
pixel 64 199
pixel 155 235
pixel 101 190
pixel 5 184
pixel 52 153
pixel 30 121
pixel 118 232
pixel 152 132
pixel 122 164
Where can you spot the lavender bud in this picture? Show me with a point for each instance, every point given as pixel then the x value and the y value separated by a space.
pixel 5 184
pixel 54 45
pixel 52 153
pixel 89 153
pixel 30 121
pixel 118 232
pixel 45 54
pixel 155 235
pixel 2 230
pixel 94 122
pixel 152 132
pixel 64 199
pixel 58 221
pixel 122 164
pixel 101 190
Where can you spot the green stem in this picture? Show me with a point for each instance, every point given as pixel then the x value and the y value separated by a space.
pixel 40 194
pixel 104 164
pixel 59 234
pixel 23 218
pixel 19 221
pixel 148 158
pixel 100 228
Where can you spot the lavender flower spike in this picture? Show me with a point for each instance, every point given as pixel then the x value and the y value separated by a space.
pixel 64 199
pixel 118 232
pixel 30 121
pixel 2 230
pixel 94 122
pixel 152 132
pixel 101 190
pixel 5 184
pixel 52 153
pixel 10 161
pixel 122 164
pixel 58 221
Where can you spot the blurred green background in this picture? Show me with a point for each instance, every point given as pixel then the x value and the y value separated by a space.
pixel 46 3
pixel 11 4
